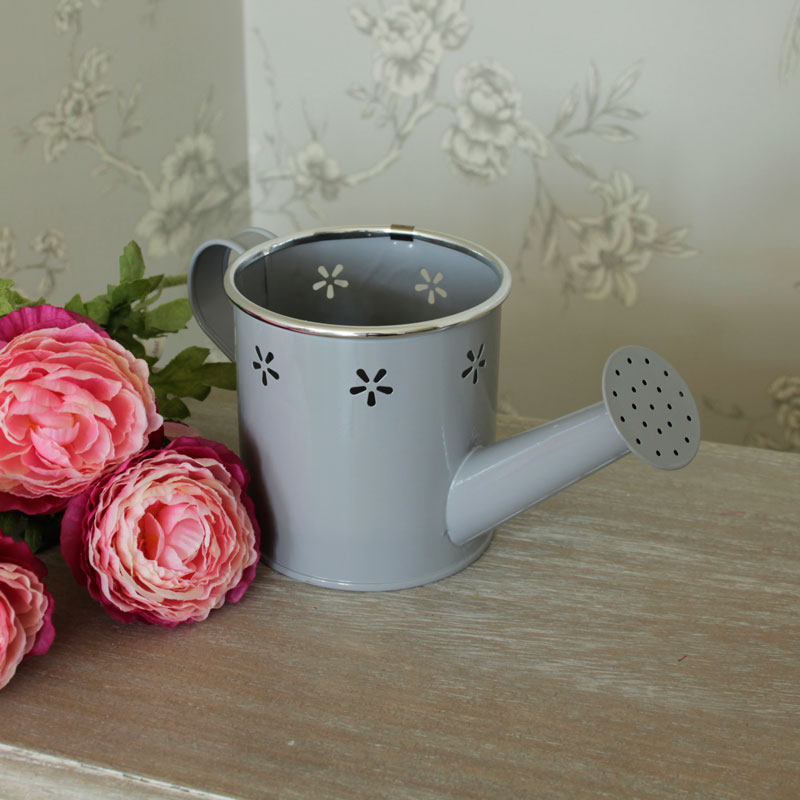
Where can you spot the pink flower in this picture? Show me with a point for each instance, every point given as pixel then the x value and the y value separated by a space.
pixel 26 607
pixel 74 404
pixel 167 537
pixel 36 317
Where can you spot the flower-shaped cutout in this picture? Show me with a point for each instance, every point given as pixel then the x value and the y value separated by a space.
pixel 431 285
pixel 330 280
pixel 477 362
pixel 263 366
pixel 371 386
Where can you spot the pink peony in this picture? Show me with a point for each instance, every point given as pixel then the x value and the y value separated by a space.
pixel 167 537
pixel 74 404
pixel 26 607
pixel 36 317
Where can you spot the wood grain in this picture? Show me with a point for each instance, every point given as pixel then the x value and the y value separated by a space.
pixel 633 636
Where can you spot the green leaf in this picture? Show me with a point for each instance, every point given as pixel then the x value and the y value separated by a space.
pixel 130 343
pixel 189 359
pixel 187 375
pixel 222 375
pixel 131 291
pixel 12 523
pixel 127 322
pixel 5 306
pixel 131 263
pixel 76 304
pixel 173 408
pixel 34 535
pixel 38 532
pixel 181 375
pixel 99 309
pixel 11 300
pixel 169 317
pixel 184 384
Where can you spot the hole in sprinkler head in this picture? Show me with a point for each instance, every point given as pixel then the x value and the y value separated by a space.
pixel 644 382
pixel 669 406
pixel 686 439
pixel 638 441
pixel 676 452
pixel 680 394
pixel 614 392
pixel 644 423
pixel 658 453
pixel 633 388
pixel 669 423
pixel 622 419
pixel 647 361
pixel 633 406
pixel 652 407
pixel 660 432
pixel 666 374
pixel 658 389
pixel 688 418
pixel 629 361
pixel 616 372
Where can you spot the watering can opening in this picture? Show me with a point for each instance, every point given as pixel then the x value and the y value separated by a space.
pixel 374 280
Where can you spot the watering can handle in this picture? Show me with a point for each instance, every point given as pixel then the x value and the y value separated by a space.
pixel 212 309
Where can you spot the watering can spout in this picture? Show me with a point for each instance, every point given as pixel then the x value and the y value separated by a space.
pixel 647 409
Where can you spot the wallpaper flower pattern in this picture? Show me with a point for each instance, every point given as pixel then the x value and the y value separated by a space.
pixel 597 257
pixel 193 193
pixel 595 228
pixel 49 257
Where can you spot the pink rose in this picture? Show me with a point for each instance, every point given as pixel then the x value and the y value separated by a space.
pixel 74 404
pixel 167 537
pixel 26 607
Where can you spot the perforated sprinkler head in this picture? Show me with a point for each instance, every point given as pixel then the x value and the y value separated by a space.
pixel 651 407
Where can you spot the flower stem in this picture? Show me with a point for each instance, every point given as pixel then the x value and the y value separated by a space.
pixel 120 164
pixel 402 133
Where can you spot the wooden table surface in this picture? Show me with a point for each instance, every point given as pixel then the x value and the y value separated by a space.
pixel 634 636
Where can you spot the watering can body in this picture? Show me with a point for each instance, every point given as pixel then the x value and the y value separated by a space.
pixel 370 447
pixel 365 505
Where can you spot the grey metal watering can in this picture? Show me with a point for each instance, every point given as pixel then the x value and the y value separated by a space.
pixel 367 363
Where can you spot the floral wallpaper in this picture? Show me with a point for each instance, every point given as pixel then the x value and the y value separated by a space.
pixel 633 171
pixel 596 256
pixel 90 119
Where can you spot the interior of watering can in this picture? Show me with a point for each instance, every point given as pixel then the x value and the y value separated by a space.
pixel 367 279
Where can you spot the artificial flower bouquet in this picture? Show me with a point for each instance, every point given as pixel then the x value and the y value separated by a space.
pixel 157 524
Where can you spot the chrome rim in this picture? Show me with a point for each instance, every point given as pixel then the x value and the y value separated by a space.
pixel 372 331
